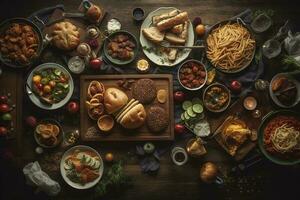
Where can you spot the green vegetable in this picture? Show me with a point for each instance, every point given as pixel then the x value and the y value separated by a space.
pixel 197 108
pixel 186 105
pixel 186 116
pixel 114 180
pixel 57 72
pixel 190 112
pixel 290 64
pixel 45 81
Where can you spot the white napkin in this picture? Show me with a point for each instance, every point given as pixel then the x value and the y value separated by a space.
pixel 36 177
pixel 292 45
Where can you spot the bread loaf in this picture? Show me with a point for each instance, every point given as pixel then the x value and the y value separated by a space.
pixel 114 100
pixel 134 118
pixel 173 21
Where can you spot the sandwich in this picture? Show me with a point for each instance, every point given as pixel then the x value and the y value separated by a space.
pixel 153 34
pixel 174 39
pixel 173 21
pixel 114 100
pixel 158 18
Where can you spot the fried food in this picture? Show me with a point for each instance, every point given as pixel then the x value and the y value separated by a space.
pixel 19 43
pixel 230 47
pixel 47 133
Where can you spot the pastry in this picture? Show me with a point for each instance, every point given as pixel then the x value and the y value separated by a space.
pixel 105 123
pixel 65 36
pixel 157 120
pixel 144 90
pixel 153 34
pixel 114 100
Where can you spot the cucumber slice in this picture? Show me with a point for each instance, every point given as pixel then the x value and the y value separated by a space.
pixel 196 100
pixel 96 165
pixel 198 108
pixel 182 117
pixel 186 116
pixel 68 165
pixel 186 105
pixel 190 112
pixel 88 159
pixel 91 164
pixel 80 156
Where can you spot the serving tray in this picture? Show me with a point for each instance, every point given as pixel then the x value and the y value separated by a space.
pixel 88 128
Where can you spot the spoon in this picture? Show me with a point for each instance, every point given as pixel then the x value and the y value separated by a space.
pixel 42 99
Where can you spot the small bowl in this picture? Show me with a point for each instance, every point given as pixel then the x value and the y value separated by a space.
pixel 192 89
pixel 115 60
pixel 105 123
pixel 225 89
pixel 138 14
pixel 59 137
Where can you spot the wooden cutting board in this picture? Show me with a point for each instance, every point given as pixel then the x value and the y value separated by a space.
pixel 89 129
pixel 80 23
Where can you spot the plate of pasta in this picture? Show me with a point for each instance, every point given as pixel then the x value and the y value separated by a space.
pixel 279 137
pixel 230 46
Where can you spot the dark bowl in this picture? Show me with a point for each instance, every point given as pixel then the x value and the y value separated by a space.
pixel 59 137
pixel 266 119
pixel 223 87
pixel 115 60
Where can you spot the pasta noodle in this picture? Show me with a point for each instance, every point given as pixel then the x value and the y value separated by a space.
pixel 230 46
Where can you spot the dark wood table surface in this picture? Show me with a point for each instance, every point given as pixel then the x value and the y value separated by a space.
pixel 264 181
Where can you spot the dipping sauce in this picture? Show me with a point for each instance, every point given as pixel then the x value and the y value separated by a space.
pixel 138 14
pixel 113 25
pixel 76 64
pixel 142 66
pixel 250 103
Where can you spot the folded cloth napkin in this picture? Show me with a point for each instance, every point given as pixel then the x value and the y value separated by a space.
pixel 36 177
pixel 292 45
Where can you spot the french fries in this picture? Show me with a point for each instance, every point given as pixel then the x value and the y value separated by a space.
pixel 230 46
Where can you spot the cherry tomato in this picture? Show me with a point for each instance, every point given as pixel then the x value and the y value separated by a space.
pixel 4 108
pixel 179 129
pixel 36 79
pixel 40 86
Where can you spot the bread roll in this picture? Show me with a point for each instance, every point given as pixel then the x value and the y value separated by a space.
pixel 134 118
pixel 114 100
pixel 173 21
pixel 65 36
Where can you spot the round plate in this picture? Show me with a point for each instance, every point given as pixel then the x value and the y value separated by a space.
pixel 157 59
pixel 275 99
pixel 35 99
pixel 117 61
pixel 261 129
pixel 239 21
pixel 63 171
pixel 60 135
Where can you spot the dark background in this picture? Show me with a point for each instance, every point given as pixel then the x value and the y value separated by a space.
pixel 264 181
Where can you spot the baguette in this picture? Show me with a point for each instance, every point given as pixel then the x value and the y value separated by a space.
pixel 158 18
pixel 177 29
pixel 173 21
pixel 174 39
pixel 184 33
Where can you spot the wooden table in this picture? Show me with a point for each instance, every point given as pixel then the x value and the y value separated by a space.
pixel 171 182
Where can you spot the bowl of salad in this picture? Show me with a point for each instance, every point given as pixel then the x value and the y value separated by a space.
pixel 49 86
pixel 81 167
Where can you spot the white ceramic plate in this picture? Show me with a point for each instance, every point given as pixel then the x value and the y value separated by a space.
pixel 159 59
pixel 275 99
pixel 35 99
pixel 63 171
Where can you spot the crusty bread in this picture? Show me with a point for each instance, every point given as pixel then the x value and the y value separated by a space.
pixel 134 103
pixel 153 34
pixel 174 39
pixel 184 33
pixel 173 21
pixel 134 118
pixel 114 100
pixel 172 54
pixel 158 18
pixel 177 29
pixel 65 36
pixel 117 114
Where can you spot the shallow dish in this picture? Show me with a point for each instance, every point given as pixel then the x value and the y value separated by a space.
pixel 36 99
pixel 146 44
pixel 116 61
pixel 183 65
pixel 264 123
pixel 63 171
pixel 225 89
pixel 59 136
pixel 273 96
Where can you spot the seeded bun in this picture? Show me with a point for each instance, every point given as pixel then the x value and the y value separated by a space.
pixel 144 90
pixel 157 120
